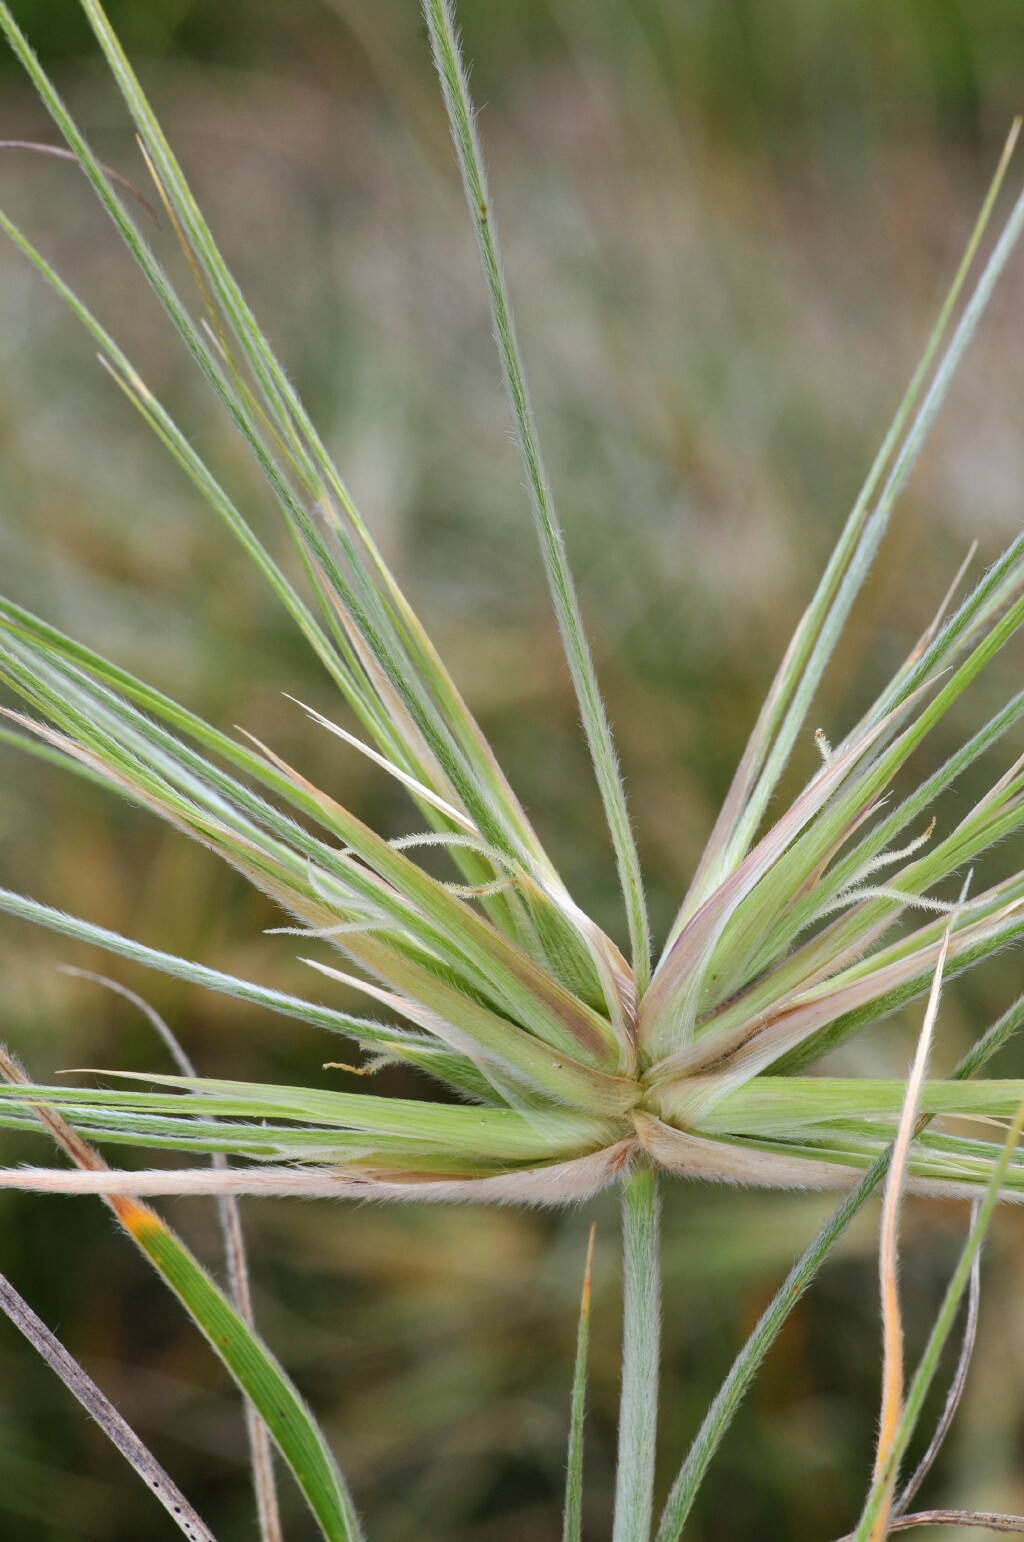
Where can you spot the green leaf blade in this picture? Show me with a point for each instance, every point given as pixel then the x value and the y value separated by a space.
pixel 455 87
pixel 271 1392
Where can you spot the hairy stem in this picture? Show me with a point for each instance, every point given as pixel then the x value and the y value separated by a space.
pixel 638 1416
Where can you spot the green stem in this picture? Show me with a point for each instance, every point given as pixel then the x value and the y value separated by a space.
pixel 572 1527
pixel 638 1416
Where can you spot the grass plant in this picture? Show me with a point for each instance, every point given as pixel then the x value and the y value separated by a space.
pixel 574 1065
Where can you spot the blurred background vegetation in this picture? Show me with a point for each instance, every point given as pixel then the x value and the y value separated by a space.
pixel 728 224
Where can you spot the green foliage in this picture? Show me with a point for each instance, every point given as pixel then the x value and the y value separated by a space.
pixel 584 1068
